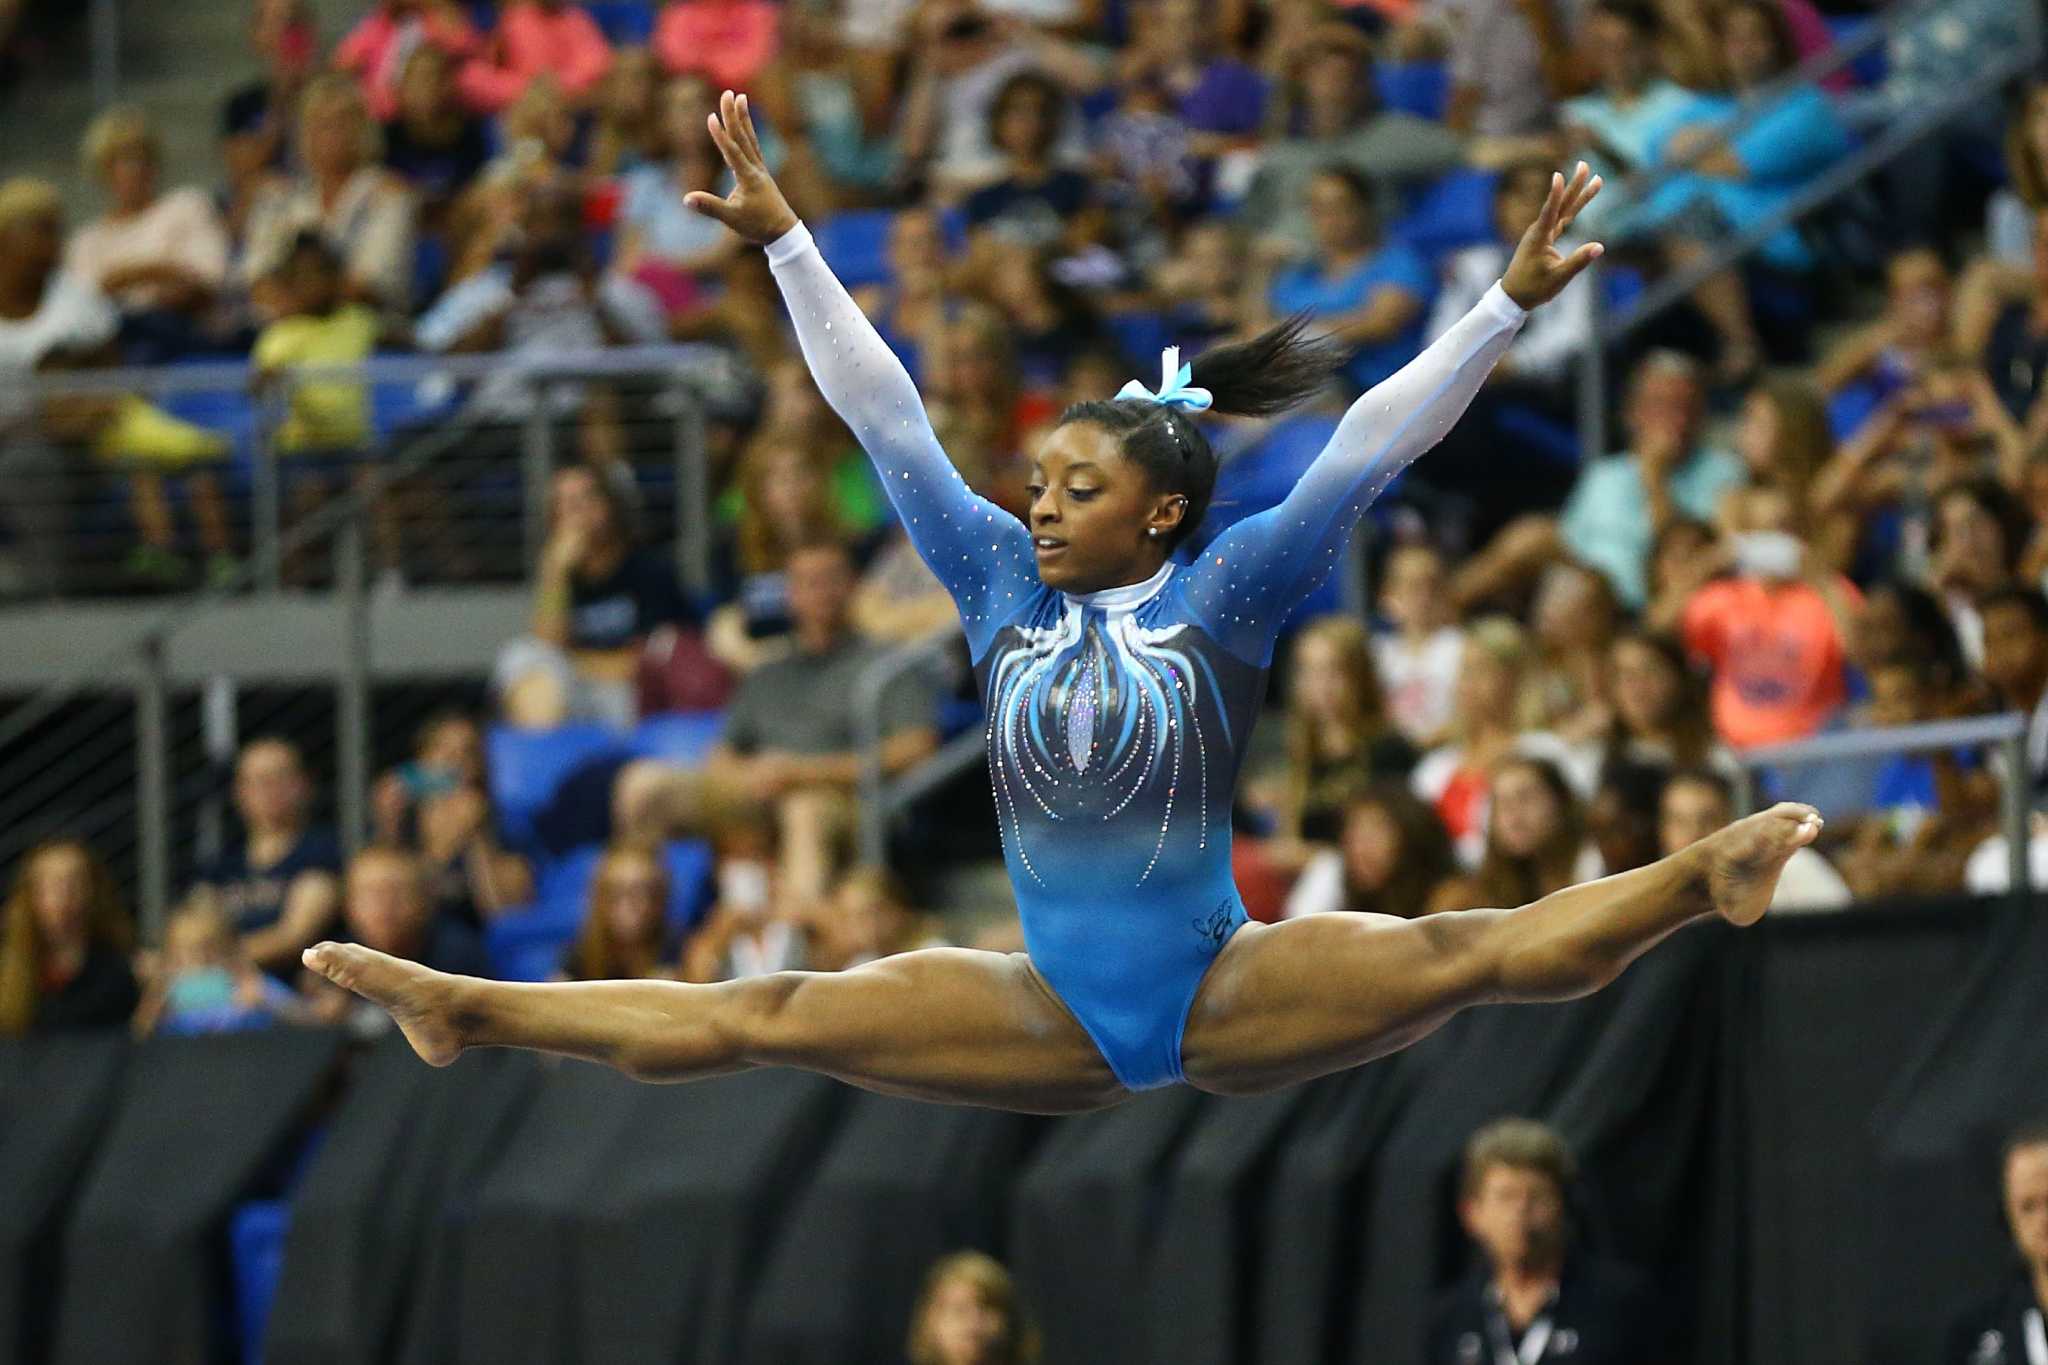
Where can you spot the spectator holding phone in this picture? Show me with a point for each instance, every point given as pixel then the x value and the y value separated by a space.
pixel 438 805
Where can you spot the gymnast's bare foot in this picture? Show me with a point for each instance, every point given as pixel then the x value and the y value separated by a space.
pixel 420 1001
pixel 1744 860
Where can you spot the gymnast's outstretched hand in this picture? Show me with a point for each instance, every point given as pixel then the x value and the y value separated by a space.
pixel 1539 271
pixel 755 209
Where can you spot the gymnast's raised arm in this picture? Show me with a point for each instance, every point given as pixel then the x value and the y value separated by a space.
pixel 974 547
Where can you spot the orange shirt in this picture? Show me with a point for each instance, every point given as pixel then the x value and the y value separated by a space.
pixel 1777 658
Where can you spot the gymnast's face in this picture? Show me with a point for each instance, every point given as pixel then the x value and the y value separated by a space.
pixel 1093 513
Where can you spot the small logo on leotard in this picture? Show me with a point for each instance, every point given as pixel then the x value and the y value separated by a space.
pixel 1216 927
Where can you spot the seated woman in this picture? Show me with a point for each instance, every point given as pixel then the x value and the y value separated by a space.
pixel 1536 839
pixel 1658 704
pixel 912 309
pixel 625 930
pixel 1728 181
pixel 1392 855
pixel 597 597
pixel 439 806
pixel 381 46
pixel 162 258
pixel 64 942
pixel 1575 614
pixel 626 129
pixel 1368 294
pixel 785 502
pixel 430 141
pixel 1049 322
pixel 662 244
pixel 868 917
pixel 1034 201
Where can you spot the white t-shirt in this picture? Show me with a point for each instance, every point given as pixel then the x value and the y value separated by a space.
pixel 72 317
pixel 1809 882
pixel 180 227
pixel 1549 340
pixel 1419 680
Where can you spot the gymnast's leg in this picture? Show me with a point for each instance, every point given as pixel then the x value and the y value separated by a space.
pixel 944 1024
pixel 1286 1002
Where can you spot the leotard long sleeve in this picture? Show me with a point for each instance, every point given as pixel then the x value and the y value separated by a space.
pixel 1117 720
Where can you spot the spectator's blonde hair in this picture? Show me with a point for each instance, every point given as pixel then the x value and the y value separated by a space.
pixel 597 956
pixel 117 130
pixel 997 1290
pixel 2022 165
pixel 1523 1145
pixel 1503 641
pixel 25 197
pixel 21 935
pixel 332 91
pixel 1805 441
pixel 1365 712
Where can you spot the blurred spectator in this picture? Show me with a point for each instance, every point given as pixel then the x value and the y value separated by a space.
pixel 1391 857
pixel 1659 705
pixel 596 598
pixel 662 242
pixel 791 736
pixel 728 42
pixel 1775 634
pixel 1177 45
pixel 1369 294
pixel 277 883
pixel 2009 217
pixel 1031 201
pixel 537 142
pixel 912 309
pixel 535 37
pixel 868 916
pixel 2008 1328
pixel 628 131
pixel 1622 501
pixel 1927 811
pixel 1697 802
pixel 1533 1291
pixel 438 807
pixel 1144 164
pixel 1726 181
pixel 1496 712
pixel 430 141
pixel 980 407
pixel 1902 621
pixel 752 929
pixel 900 600
pixel 843 101
pixel 1418 658
pixel 1510 63
pixel 206 983
pixel 1203 285
pixel 1783 440
pixel 1050 323
pixel 625 930
pixel 387 909
pixel 64 941
pixel 968 1313
pixel 785 503
pixel 1874 362
pixel 1535 841
pixel 259 121
pixel 1978 531
pixel 1685 555
pixel 162 258
pixel 2016 666
pixel 1329 114
pixel 1613 126
pixel 1574 618
pixel 381 46
pixel 360 210
pixel 1621 819
pixel 1340 739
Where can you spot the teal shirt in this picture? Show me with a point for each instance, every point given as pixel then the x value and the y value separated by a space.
pixel 1606 521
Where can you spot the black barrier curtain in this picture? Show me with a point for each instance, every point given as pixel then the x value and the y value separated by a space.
pixel 1795 1129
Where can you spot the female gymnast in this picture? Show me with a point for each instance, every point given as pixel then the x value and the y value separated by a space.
pixel 1119 685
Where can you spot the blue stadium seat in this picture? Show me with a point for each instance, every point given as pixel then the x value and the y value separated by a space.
pixel 1419 88
pixel 527 766
pixel 1140 336
pixel 1457 211
pixel 256 1236
pixel 683 738
pixel 1537 433
pixel 625 22
pixel 1870 68
pixel 855 244
pixel 527 945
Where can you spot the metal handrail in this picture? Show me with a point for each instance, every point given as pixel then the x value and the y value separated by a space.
pixel 2007 730
pixel 876 790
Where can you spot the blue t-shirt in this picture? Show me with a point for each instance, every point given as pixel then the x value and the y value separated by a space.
pixel 652 204
pixel 1306 286
pixel 253 897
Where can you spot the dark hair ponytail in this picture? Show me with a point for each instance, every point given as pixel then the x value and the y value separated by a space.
pixel 1274 371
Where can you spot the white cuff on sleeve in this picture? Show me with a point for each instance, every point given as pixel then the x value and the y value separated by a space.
pixel 795 242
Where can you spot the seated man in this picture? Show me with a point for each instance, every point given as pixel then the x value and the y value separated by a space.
pixel 387 908
pixel 1623 501
pixel 277 884
pixel 1534 1296
pixel 790 741
pixel 2008 1329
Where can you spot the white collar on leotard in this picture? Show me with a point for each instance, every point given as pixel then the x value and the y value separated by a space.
pixel 1127 598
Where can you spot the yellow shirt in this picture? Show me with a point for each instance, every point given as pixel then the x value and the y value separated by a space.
pixel 324 415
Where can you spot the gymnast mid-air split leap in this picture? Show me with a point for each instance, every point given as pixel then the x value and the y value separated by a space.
pixel 1119 685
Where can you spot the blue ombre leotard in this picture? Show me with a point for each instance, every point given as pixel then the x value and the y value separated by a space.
pixel 1117 719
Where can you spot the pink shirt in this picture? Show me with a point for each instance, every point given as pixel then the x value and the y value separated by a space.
pixel 729 41
pixel 1777 658
pixel 565 42
pixel 376 50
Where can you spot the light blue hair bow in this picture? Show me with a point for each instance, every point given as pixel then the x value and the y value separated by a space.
pixel 1174 389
